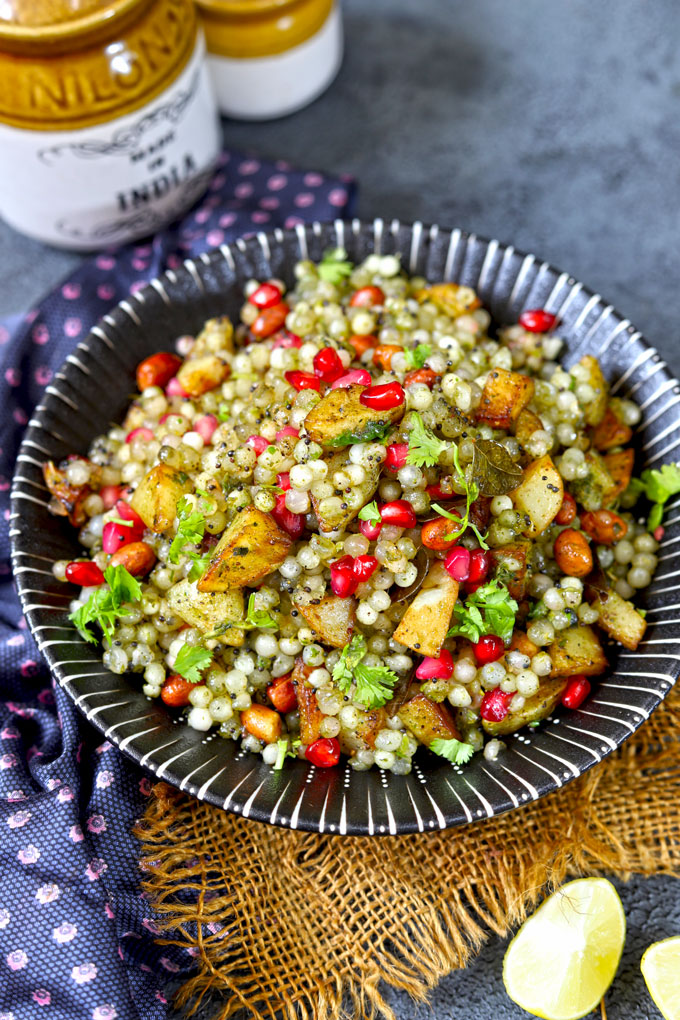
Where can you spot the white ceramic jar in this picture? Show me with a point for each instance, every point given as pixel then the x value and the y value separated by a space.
pixel 269 58
pixel 108 123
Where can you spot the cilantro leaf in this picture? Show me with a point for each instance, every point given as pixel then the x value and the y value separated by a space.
pixel 257 618
pixel 453 750
pixel 374 684
pixel 284 751
pixel 417 356
pixel 223 412
pixel 471 494
pixel 489 610
pixel 424 449
pixel 334 266
pixel 658 486
pixel 105 605
pixel 370 432
pixel 191 661
pixel 198 566
pixel 190 529
pixel 370 513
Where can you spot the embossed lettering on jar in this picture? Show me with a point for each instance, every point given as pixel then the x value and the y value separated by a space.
pixel 107 121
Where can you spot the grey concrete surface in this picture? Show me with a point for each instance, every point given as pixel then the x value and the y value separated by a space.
pixel 552 125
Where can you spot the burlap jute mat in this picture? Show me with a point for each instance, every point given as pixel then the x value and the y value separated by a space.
pixel 300 925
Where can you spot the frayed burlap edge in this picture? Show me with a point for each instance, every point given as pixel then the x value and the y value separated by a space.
pixel 311 927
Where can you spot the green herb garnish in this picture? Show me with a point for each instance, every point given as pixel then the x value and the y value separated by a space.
pixel 371 432
pixel 370 513
pixel 453 750
pixel 658 486
pixel 471 494
pixel 334 266
pixel 257 618
pixel 285 751
pixel 190 529
pixel 223 413
pixel 489 610
pixel 424 449
pixel 374 684
pixel 417 356
pixel 191 661
pixel 106 605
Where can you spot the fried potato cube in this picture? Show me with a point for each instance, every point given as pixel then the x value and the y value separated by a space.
pixel 351 502
pixel 610 432
pixel 155 498
pixel 310 713
pixel 598 484
pixel 428 720
pixel 620 619
pixel 198 375
pixel 251 547
pixel 424 625
pixel 331 619
pixel 538 706
pixel 262 722
pixel 209 611
pixel 504 396
pixel 620 467
pixel 577 650
pixel 340 419
pixel 596 408
pixel 539 495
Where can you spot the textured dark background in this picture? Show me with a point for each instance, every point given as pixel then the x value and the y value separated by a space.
pixel 555 126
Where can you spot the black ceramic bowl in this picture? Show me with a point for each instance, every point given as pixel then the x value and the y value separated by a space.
pixel 435 794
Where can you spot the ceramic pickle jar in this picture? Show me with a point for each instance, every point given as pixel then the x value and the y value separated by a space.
pixel 271 57
pixel 108 124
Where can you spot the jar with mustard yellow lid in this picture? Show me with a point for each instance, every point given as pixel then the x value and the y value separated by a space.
pixel 269 58
pixel 108 123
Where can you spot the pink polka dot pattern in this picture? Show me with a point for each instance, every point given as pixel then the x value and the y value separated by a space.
pixel 67 800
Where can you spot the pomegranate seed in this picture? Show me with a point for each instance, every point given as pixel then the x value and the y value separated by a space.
pixel 109 495
pixel 175 389
pixel 436 669
pixel 344 581
pixel 114 536
pixel 324 752
pixel 367 297
pixel 357 377
pixel 396 456
pixel 659 532
pixel 85 573
pixel 457 563
pixel 370 530
pixel 399 513
pixel 479 566
pixel 286 339
pixel 494 706
pixel 364 566
pixel 269 321
pixel 258 443
pixel 327 364
pixel 283 480
pixel 435 492
pixel 126 513
pixel 383 397
pixel 537 320
pixel 293 524
pixel 488 649
pixel 265 296
pixel 303 380
pixel 141 433
pixel 576 691
pixel 288 430
pixel 472 586
pixel 205 426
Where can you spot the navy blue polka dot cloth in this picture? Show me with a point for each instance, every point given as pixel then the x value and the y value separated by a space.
pixel 76 935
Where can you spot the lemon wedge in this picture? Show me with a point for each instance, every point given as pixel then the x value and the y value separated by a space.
pixel 660 968
pixel 564 957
